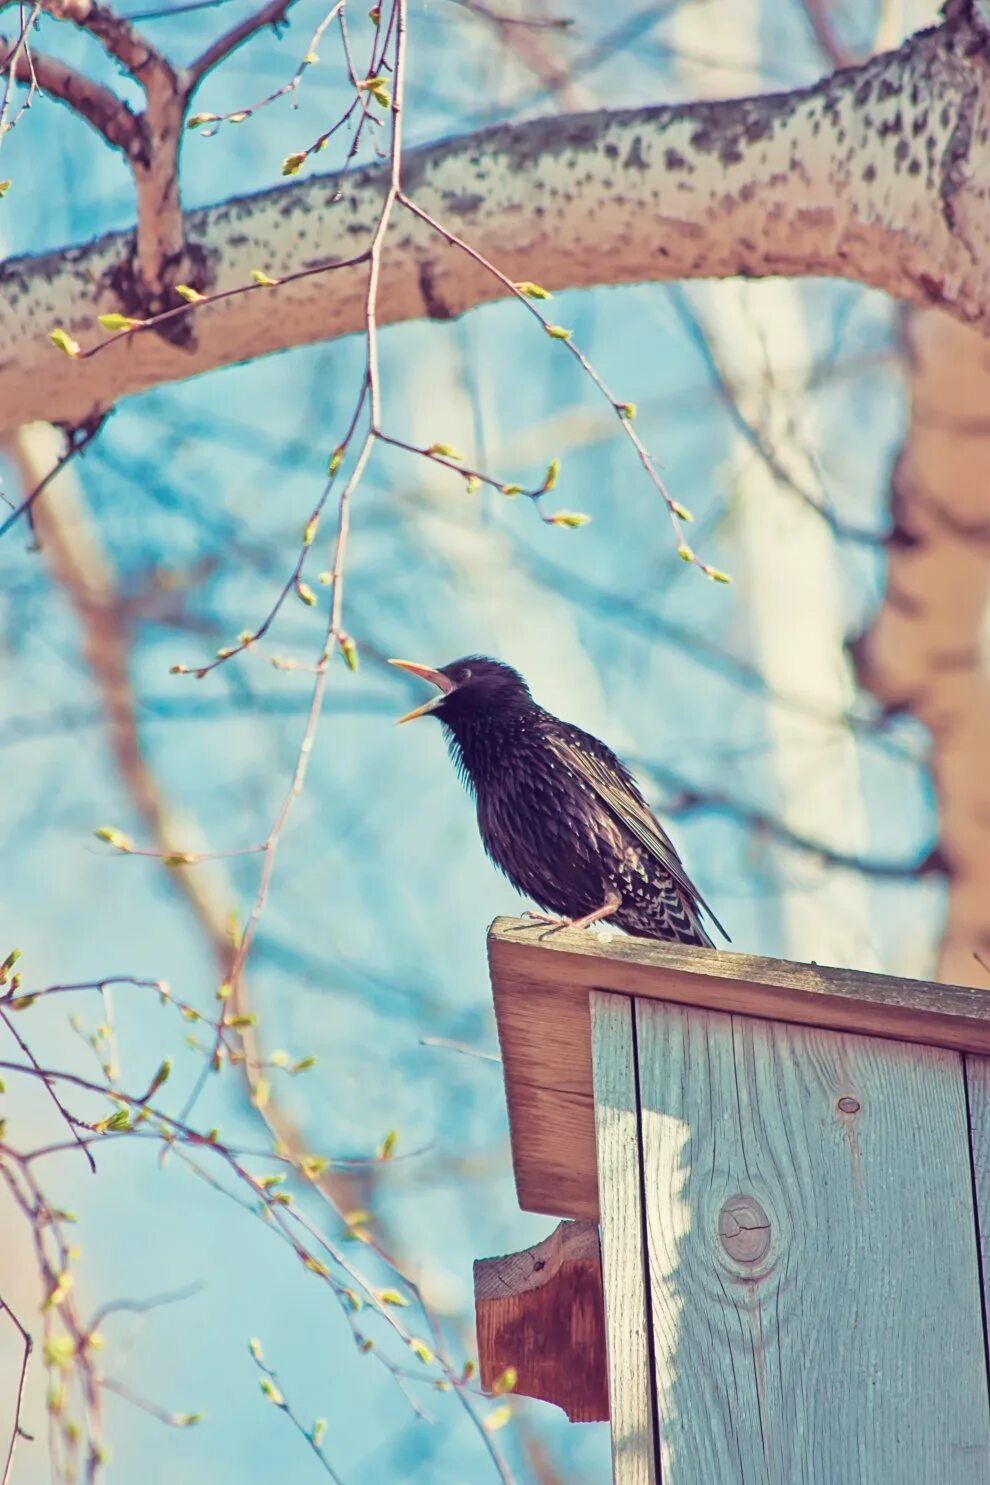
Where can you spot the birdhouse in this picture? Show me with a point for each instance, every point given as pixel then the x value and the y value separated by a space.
pixel 777 1184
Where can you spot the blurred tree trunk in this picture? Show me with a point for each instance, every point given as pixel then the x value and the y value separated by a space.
pixel 928 649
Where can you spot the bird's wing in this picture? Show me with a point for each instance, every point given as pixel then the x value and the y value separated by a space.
pixel 616 789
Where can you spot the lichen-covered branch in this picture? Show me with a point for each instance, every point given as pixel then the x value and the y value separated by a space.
pixel 877 173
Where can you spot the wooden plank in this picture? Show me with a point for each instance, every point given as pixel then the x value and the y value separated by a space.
pixel 541 988
pixel 542 1312
pixel 955 1016
pixel 546 1058
pixel 623 1259
pixel 978 1098
pixel 812 1256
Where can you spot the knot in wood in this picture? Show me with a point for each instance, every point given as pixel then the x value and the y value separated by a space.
pixel 849 1105
pixel 744 1229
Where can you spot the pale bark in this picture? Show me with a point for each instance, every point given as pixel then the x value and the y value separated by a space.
pixel 790 583
pixel 878 174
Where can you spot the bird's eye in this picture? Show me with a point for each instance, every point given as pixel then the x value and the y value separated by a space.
pixel 466 676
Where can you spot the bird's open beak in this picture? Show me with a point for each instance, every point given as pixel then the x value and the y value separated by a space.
pixel 443 684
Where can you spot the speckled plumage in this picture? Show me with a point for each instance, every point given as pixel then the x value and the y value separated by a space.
pixel 559 814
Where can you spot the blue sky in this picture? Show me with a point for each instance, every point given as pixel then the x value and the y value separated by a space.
pixel 374 935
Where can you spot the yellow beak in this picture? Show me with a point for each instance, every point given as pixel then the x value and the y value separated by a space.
pixel 442 682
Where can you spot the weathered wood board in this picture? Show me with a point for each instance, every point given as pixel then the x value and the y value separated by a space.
pixel 815 1290
pixel 978 1101
pixel 627 1323
pixel 541 988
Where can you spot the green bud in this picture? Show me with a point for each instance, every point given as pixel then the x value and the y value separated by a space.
pixel 64 341
pixel 115 838
pixel 388 1145
pixel 118 322
pixel 506 1382
pixel 161 1076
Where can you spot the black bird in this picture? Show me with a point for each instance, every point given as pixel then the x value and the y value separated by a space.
pixel 559 814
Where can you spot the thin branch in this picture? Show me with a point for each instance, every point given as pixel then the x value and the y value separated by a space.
pixel 755 436
pixel 79 441
pixel 66 1116
pixel 15 55
pixel 17 1432
pixel 272 14
pixel 107 114
pixel 172 12
pixel 820 18
pixel 686 798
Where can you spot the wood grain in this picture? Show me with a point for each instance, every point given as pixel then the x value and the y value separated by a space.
pixel 623 1258
pixel 956 1016
pixel 542 1312
pixel 541 988
pixel 977 1071
pixel 812 1256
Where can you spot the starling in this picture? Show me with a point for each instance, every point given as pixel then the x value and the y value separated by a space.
pixel 558 813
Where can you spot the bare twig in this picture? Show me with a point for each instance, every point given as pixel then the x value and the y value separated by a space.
pixel 313 1435
pixel 17 1431
pixel 63 1111
pixel 79 442
pixel 108 115
pixel 17 64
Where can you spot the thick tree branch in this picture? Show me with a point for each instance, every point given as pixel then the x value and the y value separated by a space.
pixel 153 149
pixel 271 14
pixel 875 174
pixel 108 115
pixel 133 51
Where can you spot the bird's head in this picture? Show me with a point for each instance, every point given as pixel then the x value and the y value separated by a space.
pixel 468 689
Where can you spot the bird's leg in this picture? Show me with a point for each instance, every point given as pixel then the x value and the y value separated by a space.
pixel 606 910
